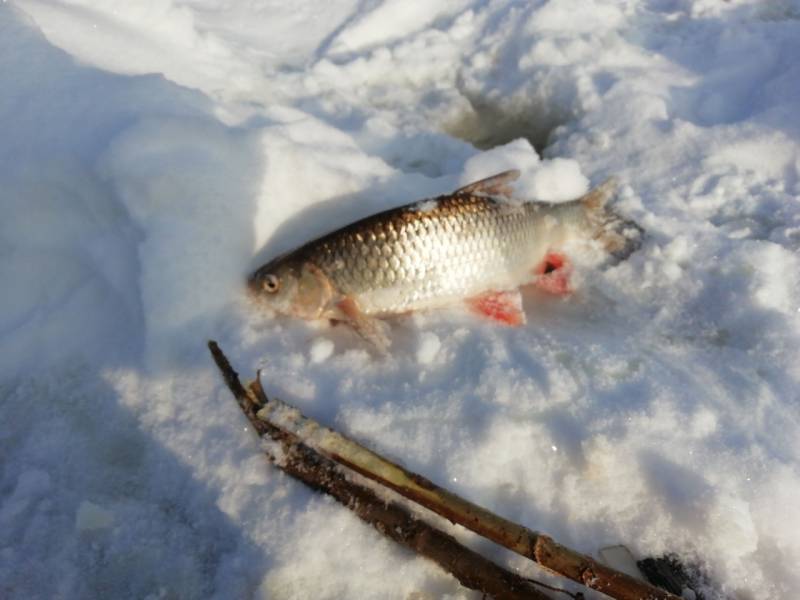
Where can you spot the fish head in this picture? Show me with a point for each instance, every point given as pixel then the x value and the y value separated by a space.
pixel 292 287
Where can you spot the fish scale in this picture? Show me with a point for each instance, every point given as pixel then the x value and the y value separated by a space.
pixel 420 258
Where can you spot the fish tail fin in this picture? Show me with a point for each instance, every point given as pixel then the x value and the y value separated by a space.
pixel 620 236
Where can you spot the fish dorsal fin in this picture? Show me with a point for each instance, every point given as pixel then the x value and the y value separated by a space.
pixel 496 185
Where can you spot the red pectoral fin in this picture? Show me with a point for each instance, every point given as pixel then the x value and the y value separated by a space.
pixel 553 274
pixel 502 307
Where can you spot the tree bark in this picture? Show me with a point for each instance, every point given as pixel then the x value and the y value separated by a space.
pixel 322 474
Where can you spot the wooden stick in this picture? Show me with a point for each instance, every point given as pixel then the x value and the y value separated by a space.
pixel 320 473
pixel 533 545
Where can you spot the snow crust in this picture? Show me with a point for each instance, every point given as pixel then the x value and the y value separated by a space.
pixel 154 153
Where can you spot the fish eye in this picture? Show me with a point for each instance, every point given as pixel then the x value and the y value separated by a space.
pixel 271 283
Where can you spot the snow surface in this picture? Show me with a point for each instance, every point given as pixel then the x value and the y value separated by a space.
pixel 153 153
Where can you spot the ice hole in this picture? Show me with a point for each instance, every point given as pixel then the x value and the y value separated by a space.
pixel 486 123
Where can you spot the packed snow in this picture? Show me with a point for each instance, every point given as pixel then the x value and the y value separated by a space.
pixel 154 153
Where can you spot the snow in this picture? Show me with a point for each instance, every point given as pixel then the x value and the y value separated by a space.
pixel 155 153
pixel 91 516
pixel 321 350
pixel 428 348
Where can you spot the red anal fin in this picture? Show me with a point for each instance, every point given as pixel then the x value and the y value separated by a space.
pixel 554 274
pixel 501 307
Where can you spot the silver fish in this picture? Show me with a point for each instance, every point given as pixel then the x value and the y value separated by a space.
pixel 476 245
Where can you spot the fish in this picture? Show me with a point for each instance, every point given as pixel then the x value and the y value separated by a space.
pixel 476 246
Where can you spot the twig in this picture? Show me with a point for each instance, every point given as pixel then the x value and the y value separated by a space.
pixel 533 545
pixel 320 473
pixel 576 595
